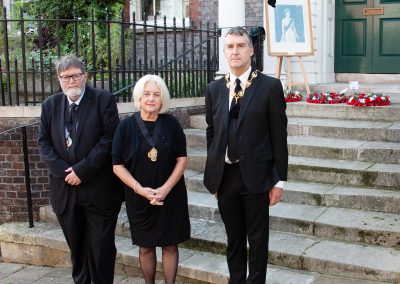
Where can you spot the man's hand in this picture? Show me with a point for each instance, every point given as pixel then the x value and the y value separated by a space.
pixel 275 195
pixel 72 178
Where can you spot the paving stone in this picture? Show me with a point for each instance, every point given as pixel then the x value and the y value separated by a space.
pixel 28 275
pixel 7 269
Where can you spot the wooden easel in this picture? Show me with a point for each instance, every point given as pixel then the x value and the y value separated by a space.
pixel 289 72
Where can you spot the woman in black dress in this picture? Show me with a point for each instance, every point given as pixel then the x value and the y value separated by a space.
pixel 149 156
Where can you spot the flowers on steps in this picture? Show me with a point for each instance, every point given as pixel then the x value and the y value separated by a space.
pixel 292 96
pixel 355 99
pixel 326 98
pixel 366 99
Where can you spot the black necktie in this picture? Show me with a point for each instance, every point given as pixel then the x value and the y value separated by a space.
pixel 71 127
pixel 235 104
pixel 233 117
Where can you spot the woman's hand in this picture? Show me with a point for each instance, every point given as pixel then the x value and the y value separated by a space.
pixel 152 195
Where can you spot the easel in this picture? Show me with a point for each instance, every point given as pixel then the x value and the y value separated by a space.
pixel 289 72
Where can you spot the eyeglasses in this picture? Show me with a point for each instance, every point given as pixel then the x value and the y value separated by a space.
pixel 75 77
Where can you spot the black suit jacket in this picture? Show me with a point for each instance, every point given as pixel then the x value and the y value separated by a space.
pixel 261 134
pixel 98 120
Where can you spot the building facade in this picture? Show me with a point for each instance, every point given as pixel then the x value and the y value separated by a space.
pixel 358 36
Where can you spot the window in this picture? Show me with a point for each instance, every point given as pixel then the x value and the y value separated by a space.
pixel 160 8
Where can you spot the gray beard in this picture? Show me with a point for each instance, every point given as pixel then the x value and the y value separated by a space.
pixel 73 93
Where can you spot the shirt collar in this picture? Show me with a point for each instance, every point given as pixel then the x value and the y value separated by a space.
pixel 243 78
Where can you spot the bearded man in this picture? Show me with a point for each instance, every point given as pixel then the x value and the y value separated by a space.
pixel 75 135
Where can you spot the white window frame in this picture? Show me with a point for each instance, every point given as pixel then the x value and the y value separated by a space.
pixel 177 8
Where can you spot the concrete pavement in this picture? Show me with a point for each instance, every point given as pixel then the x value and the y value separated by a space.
pixel 14 273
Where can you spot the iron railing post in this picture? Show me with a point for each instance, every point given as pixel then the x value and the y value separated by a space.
pixel 27 176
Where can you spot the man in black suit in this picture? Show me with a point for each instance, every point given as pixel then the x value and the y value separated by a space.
pixel 247 156
pixel 75 135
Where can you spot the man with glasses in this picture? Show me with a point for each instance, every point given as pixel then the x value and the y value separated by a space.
pixel 75 135
pixel 247 156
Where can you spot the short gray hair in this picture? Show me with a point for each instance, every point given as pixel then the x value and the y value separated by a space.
pixel 240 31
pixel 69 61
pixel 138 91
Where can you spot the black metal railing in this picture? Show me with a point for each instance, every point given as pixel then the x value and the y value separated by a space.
pixel 116 53
pixel 13 135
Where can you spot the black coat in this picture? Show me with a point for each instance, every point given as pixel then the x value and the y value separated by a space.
pixel 261 134
pixel 98 119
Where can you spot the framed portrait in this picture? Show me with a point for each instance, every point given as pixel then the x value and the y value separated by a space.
pixel 289 29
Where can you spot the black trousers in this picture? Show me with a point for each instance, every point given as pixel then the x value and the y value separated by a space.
pixel 245 216
pixel 90 234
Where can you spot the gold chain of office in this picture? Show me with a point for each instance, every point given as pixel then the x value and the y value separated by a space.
pixel 240 94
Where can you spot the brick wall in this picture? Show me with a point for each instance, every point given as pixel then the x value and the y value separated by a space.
pixel 13 203
pixel 254 13
pixel 208 12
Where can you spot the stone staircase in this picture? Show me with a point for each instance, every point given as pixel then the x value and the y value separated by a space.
pixel 339 221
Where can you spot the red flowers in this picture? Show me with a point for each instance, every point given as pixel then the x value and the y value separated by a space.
pixel 363 100
pixel 357 100
pixel 292 96
pixel 326 98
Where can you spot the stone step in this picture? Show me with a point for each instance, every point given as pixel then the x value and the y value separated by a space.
pixel 341 224
pixel 45 245
pixel 364 87
pixel 332 195
pixel 312 253
pixel 381 81
pixel 324 127
pixel 195 137
pixel 322 194
pixel 344 172
pixel 344 149
pixel 354 173
pixel 344 129
pixel 321 147
pixel 198 121
pixel 210 236
pixel 390 113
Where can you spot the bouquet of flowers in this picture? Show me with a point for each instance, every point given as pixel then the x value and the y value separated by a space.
pixel 366 99
pixel 292 96
pixel 326 98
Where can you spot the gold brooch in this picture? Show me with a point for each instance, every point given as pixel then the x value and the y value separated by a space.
pixel 152 154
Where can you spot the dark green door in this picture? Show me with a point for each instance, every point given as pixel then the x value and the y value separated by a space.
pixel 367 36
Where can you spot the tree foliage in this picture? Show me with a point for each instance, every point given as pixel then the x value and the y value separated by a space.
pixel 65 9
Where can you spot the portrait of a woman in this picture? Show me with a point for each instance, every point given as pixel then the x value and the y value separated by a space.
pixel 289 33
